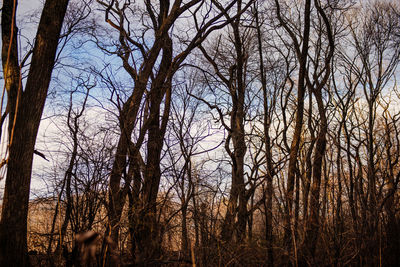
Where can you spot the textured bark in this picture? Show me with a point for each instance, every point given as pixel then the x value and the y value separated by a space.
pixel 13 226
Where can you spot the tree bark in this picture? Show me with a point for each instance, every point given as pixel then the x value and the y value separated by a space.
pixel 9 56
pixel 13 225
pixel 148 235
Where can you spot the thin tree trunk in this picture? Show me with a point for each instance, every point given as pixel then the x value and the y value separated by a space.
pixel 320 147
pixel 238 190
pixel 302 54
pixel 268 149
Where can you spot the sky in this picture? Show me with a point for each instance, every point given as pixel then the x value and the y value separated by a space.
pixel 25 23
pixel 27 13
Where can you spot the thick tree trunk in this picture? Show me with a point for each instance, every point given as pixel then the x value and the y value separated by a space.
pixel 133 194
pixel 148 235
pixel 372 219
pixel 13 226
pixel 237 197
pixel 148 229
pixel 116 200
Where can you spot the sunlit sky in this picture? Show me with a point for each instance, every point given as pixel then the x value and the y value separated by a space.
pixel 25 19
pixel 25 10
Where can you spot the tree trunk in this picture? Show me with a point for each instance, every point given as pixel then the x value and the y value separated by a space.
pixel 294 148
pixel 148 236
pixel 9 58
pixel 237 90
pixel 320 147
pixel 268 149
pixel 13 226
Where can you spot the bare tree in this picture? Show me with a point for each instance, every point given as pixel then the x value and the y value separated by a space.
pixel 301 46
pixel 25 110
pixel 151 68
pixel 376 48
